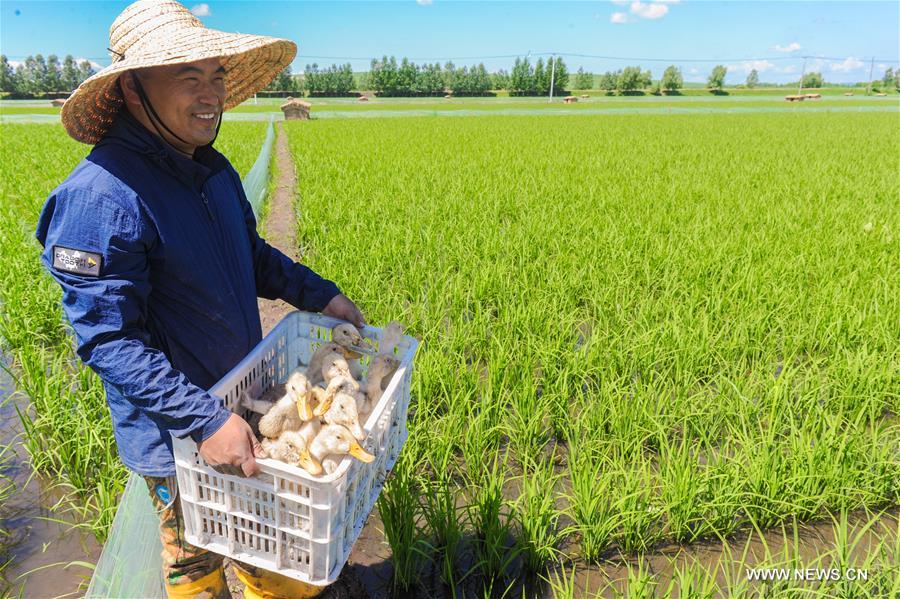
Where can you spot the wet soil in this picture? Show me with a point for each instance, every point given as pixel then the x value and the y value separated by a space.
pixel 40 547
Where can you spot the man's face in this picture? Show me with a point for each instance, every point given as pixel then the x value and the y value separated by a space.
pixel 188 98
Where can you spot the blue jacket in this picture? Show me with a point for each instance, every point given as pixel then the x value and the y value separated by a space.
pixel 160 266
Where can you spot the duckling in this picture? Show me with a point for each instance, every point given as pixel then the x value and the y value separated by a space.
pixel 326 396
pixel 288 412
pixel 290 447
pixel 347 341
pixel 343 411
pixel 381 369
pixel 334 365
pixel 390 338
pixel 335 440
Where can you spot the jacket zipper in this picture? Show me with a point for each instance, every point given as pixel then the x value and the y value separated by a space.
pixel 206 203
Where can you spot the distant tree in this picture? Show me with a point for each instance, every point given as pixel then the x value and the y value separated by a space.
pixel 671 80
pixel 500 80
pixel 383 76
pixel 85 70
pixel 283 81
pixel 583 79
pixel 812 80
pixel 52 82
pixel 629 79
pixel 68 78
pixel 479 80
pixel 888 78
pixel 716 80
pixel 608 81
pixel 646 79
pixel 752 79
pixel 430 81
pixel 560 73
pixel 521 78
pixel 541 78
pixel 7 75
pixel 406 78
pixel 20 80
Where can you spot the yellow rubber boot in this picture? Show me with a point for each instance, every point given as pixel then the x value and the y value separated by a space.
pixel 269 585
pixel 211 586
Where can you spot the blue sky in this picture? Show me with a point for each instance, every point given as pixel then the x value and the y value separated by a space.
pixel 769 36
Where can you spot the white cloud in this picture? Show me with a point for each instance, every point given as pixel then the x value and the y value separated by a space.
pixel 694 71
pixel 424 2
pixel 621 2
pixel 201 10
pixel 94 65
pixel 848 64
pixel 15 64
pixel 620 18
pixel 792 47
pixel 651 10
pixel 761 66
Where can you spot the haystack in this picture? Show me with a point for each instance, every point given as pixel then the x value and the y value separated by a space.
pixel 570 100
pixel 795 98
pixel 813 96
pixel 296 110
pixel 882 94
pixel 447 96
pixel 57 103
pixel 848 93
pixel 363 99
pixel 584 96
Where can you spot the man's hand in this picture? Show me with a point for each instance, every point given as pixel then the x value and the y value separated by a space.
pixel 232 449
pixel 341 307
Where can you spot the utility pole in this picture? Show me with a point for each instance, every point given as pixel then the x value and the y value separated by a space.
pixel 871 67
pixel 802 73
pixel 552 76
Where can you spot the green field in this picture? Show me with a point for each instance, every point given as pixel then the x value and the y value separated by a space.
pixel 652 328
pixel 636 330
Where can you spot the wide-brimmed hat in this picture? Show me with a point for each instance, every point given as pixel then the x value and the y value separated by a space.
pixel 151 33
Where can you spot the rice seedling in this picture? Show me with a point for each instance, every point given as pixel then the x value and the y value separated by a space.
pixel 591 500
pixel 397 505
pixel 539 531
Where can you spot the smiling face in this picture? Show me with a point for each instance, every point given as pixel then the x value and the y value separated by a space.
pixel 188 98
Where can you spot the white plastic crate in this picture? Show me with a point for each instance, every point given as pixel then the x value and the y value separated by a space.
pixel 285 519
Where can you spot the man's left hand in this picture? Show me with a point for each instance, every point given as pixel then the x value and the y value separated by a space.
pixel 341 307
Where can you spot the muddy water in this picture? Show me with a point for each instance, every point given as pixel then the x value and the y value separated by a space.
pixel 814 548
pixel 39 548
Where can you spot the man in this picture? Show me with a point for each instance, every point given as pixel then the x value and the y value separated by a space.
pixel 155 247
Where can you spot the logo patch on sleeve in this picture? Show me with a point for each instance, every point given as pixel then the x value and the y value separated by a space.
pixel 77 261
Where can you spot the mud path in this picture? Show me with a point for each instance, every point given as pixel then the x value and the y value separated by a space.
pixel 281 223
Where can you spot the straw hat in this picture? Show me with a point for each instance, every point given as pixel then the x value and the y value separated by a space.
pixel 153 33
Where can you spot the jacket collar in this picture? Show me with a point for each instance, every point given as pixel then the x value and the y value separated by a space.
pixel 129 132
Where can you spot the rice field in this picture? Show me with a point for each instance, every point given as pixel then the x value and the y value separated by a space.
pixel 636 330
pixel 67 430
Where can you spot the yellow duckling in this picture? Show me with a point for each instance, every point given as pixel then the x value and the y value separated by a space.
pixel 345 340
pixel 326 396
pixel 343 411
pixel 335 440
pixel 290 447
pixel 288 411
pixel 381 369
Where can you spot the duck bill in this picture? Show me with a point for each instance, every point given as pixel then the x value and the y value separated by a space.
pixel 304 410
pixel 309 463
pixel 363 349
pixel 324 405
pixel 360 454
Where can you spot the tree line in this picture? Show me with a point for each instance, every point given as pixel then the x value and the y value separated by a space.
pixel 37 75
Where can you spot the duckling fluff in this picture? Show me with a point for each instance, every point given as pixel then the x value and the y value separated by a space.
pixel 343 411
pixel 336 440
pixel 285 413
pixel 381 369
pixel 326 396
pixel 290 447
pixel 314 369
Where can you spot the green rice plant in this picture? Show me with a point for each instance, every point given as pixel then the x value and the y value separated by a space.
pixel 637 507
pixel 682 485
pixel 442 515
pixel 592 499
pixel 489 514
pixel 539 531
pixel 692 580
pixel 397 505
pixel 640 583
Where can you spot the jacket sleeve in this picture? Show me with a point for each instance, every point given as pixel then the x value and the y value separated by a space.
pixel 279 277
pixel 107 306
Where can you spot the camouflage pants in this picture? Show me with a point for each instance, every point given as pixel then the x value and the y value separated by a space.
pixel 184 563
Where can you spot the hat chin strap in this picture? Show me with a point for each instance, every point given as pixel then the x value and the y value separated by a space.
pixel 154 117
